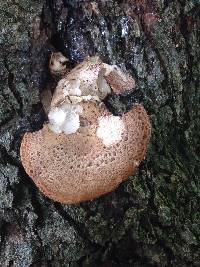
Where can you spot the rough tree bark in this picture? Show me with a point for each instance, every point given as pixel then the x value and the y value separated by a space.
pixel 153 219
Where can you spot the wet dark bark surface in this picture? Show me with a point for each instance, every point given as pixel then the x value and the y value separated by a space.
pixel 152 219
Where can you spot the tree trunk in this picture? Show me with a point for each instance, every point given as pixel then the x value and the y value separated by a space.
pixel 152 219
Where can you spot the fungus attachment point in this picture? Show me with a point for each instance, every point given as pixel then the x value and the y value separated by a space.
pixel 84 151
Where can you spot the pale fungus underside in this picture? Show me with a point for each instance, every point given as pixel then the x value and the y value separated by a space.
pixel 84 151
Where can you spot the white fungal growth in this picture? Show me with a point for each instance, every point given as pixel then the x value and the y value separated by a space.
pixel 57 116
pixel 55 128
pixel 110 129
pixel 65 118
pixel 71 124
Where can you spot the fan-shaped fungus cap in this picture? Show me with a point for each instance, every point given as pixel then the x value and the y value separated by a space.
pixel 84 151
pixel 84 165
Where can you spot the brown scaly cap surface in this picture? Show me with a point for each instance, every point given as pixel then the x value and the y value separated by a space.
pixel 119 81
pixel 78 167
pixel 91 111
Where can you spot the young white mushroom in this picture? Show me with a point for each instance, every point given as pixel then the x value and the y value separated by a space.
pixel 57 63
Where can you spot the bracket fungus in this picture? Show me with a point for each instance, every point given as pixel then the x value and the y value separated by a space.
pixel 84 151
